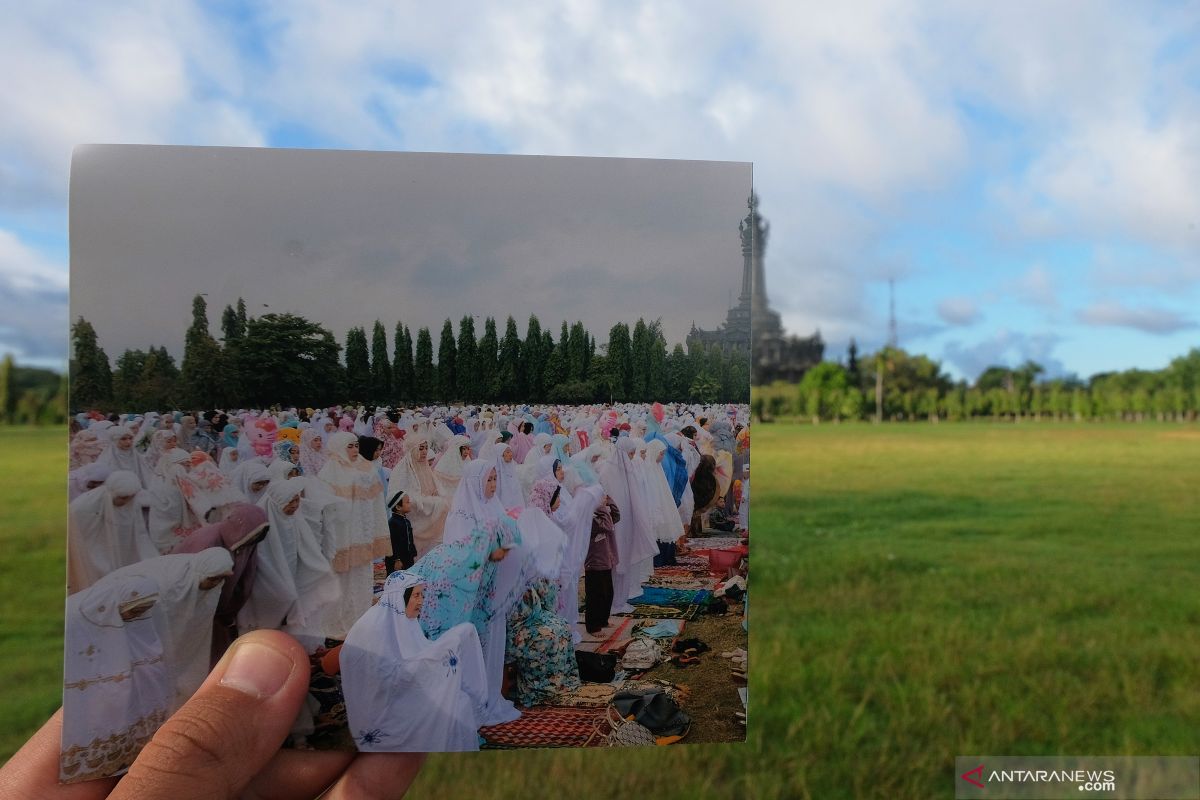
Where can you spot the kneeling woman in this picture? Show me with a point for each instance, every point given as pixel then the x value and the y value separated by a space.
pixel 403 692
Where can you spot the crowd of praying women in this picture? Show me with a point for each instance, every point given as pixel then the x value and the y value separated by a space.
pixel 188 530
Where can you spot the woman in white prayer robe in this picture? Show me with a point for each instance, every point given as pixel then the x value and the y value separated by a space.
pixel 171 517
pixel 116 688
pixel 666 528
pixel 405 693
pixel 449 467
pixel 354 479
pixel 119 454
pixel 635 540
pixel 508 482
pixel 106 531
pixel 86 478
pixel 294 580
pixel 413 476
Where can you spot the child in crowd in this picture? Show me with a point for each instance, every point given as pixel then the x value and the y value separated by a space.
pixel 404 549
pixel 601 558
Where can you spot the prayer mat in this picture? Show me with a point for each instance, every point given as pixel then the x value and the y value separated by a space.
pixel 378 576
pixel 680 582
pixel 692 562
pixel 619 638
pixel 682 572
pixel 606 639
pixel 713 542
pixel 544 726
pixel 662 629
pixel 588 695
pixel 661 596
pixel 665 612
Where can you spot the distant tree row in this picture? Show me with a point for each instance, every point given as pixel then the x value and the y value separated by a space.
pixel 31 396
pixel 894 385
pixel 287 359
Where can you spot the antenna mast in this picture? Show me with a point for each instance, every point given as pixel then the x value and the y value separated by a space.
pixel 893 337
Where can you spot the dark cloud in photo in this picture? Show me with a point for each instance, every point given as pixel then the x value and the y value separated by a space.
pixel 346 238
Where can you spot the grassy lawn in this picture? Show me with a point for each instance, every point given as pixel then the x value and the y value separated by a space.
pixel 920 591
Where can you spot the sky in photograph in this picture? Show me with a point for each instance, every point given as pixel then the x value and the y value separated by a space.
pixel 1027 174
pixel 346 238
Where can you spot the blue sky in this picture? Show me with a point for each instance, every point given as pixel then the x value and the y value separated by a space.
pixel 1028 174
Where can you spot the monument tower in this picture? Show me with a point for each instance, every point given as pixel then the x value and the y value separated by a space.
pixel 752 325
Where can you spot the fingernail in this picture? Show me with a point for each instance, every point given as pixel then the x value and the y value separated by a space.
pixel 257 670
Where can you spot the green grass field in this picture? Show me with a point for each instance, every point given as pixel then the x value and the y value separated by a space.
pixel 919 591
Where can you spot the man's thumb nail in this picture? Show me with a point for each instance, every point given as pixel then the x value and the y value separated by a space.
pixel 257 670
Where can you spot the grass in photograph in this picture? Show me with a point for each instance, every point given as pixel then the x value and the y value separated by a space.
pixel 919 592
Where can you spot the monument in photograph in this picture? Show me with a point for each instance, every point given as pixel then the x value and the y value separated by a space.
pixel 753 325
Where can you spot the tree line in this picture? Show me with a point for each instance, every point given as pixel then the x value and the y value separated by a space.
pixel 31 396
pixel 895 385
pixel 284 358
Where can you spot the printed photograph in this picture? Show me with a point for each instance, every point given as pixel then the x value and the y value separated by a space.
pixel 473 429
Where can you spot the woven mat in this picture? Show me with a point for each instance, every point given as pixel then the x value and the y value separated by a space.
pixel 588 695
pixel 694 563
pixel 713 542
pixel 688 581
pixel 681 571
pixel 665 612
pixel 614 637
pixel 544 726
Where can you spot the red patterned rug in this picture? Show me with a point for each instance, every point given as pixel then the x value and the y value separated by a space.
pixel 545 726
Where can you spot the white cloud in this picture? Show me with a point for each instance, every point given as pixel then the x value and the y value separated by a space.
pixel 1005 348
pixel 1037 287
pixel 1157 321
pixel 33 303
pixel 958 311
pixel 155 72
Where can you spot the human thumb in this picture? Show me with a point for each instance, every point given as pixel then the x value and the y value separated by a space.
pixel 230 729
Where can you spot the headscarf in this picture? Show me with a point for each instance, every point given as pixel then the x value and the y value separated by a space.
pixel 508 482
pixel 346 477
pixel 450 465
pixel 470 510
pixel 294 578
pixel 282 450
pixel 86 447
pixel 250 473
pixel 312 460
pixel 205 487
pixel 103 537
pixel 542 494
pixel 558 447
pixel 78 479
pixel 229 435
pixel 539 446
pixel 393 442
pixel 158 446
pixel 129 460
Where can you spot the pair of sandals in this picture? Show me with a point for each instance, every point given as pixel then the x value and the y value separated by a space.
pixel 687 652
